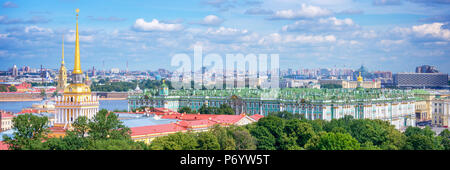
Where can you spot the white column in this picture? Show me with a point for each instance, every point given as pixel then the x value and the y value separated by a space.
pixel 64 116
pixel 56 114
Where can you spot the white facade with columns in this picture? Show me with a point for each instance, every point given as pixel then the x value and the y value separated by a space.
pixel 69 108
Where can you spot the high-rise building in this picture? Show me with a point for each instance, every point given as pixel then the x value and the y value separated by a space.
pixel 426 69
pixel 62 76
pixel 77 99
pixel 93 71
pixel 15 72
pixel 420 80
pixel 441 111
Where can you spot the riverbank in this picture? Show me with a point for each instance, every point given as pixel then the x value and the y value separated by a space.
pixel 39 99
pixel 19 97
pixel 17 106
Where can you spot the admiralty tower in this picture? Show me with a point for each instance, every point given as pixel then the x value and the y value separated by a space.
pixel 77 99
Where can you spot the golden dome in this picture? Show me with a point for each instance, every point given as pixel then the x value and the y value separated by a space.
pixel 360 79
pixel 77 88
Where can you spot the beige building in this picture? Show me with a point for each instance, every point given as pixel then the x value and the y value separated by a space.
pixel 352 84
pixel 6 121
pixel 423 107
pixel 441 111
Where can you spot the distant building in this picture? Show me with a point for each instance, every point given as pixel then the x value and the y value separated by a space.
pixel 382 74
pixel 5 121
pixel 395 106
pixel 115 70
pixel 441 111
pixel 426 69
pixel 352 84
pixel 21 87
pixel 420 80
pixel 15 72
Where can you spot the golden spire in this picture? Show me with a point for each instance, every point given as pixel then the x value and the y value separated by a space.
pixel 62 63
pixel 77 66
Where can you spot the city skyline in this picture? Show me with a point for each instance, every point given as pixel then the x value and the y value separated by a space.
pixel 389 35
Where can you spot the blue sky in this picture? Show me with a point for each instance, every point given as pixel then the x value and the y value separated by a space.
pixel 395 35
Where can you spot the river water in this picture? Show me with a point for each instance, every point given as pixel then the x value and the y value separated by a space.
pixel 104 104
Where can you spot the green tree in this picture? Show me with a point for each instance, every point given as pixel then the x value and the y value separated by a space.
pixel 332 141
pixel 418 131
pixel 43 94
pixel 205 109
pixel 164 143
pixel 80 126
pixel 299 130
pixel 225 109
pixel 3 89
pixel 286 115
pixel 30 131
pixel 12 89
pixel 264 139
pixel 422 139
pixel 207 141
pixel 115 144
pixel 445 135
pixel 243 139
pixel 185 109
pixel 419 142
pixel 107 125
pixel 225 139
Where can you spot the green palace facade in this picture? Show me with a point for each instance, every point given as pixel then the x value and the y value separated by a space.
pixel 395 106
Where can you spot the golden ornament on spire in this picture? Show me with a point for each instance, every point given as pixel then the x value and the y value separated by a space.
pixel 77 65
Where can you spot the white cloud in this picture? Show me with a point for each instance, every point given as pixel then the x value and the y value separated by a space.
pixel 302 39
pixel 365 34
pixel 4 35
pixel 336 22
pixel 222 31
pixel 83 38
pixel 322 24
pixel 391 42
pixel 155 25
pixel 306 11
pixel 435 30
pixel 386 2
pixel 211 20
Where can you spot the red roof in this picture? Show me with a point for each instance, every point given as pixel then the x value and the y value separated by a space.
pixel 188 121
pixel 164 128
pixel 188 116
pixel 3 146
pixel 196 123
pixel 28 111
pixel 6 115
pixel 256 116
pixel 228 119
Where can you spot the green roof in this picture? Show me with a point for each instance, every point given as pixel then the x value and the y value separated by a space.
pixel 308 94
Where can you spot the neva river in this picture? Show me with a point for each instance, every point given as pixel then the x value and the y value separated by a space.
pixel 104 104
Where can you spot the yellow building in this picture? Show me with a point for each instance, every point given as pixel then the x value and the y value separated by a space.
pixel 441 111
pixel 353 84
pixel 423 107
pixel 77 99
